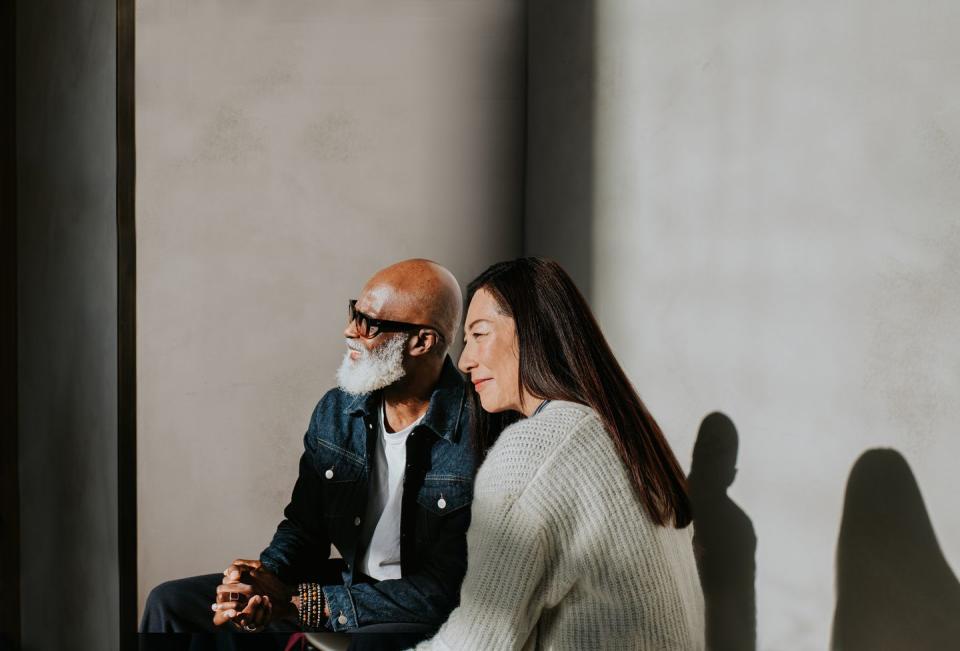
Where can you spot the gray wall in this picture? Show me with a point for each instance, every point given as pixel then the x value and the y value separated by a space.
pixel 67 323
pixel 759 201
pixel 773 234
pixel 285 151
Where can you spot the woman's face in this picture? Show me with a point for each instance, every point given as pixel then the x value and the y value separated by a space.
pixel 491 354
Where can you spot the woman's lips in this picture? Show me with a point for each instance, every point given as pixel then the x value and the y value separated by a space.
pixel 479 383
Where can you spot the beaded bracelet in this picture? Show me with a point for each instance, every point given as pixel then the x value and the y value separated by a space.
pixel 311 605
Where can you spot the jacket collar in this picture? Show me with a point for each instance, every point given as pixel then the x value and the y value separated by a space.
pixel 443 413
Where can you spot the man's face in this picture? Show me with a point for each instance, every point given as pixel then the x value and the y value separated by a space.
pixel 377 362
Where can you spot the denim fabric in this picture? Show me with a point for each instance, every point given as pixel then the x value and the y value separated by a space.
pixel 330 496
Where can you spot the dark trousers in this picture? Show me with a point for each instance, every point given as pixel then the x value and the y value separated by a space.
pixel 181 610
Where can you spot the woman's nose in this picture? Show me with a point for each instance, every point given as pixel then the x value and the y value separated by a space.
pixel 466 362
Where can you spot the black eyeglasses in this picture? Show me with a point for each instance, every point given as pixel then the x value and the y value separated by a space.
pixel 368 327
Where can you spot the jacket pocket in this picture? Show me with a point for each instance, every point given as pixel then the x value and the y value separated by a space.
pixel 442 495
pixel 341 478
pixel 443 505
pixel 336 465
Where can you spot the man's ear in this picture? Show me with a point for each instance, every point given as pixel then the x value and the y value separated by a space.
pixel 423 343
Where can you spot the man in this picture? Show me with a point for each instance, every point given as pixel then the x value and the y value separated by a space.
pixel 386 477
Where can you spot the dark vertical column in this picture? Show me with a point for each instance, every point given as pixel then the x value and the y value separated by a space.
pixel 559 189
pixel 126 326
pixel 9 455
pixel 67 323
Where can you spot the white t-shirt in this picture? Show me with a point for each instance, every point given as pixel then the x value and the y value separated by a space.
pixel 380 536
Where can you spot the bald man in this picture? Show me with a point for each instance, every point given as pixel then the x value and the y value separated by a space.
pixel 386 477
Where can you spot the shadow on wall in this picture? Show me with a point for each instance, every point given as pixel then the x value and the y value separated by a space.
pixel 561 93
pixel 724 539
pixel 895 589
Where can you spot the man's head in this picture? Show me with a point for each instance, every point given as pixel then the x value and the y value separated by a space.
pixel 401 325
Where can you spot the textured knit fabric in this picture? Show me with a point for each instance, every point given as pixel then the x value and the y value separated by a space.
pixel 561 553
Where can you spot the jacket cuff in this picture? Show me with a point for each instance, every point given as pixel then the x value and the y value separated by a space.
pixel 343 613
pixel 271 565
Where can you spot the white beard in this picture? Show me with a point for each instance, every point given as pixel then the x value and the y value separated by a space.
pixel 374 369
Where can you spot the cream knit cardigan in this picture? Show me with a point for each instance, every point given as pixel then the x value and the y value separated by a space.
pixel 562 555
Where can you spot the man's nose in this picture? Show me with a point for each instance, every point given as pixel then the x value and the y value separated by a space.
pixel 350 332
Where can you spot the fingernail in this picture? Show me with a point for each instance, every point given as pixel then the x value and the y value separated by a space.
pixel 213 607
pixel 231 613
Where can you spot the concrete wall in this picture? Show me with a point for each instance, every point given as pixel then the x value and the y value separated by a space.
pixel 285 151
pixel 67 323
pixel 774 235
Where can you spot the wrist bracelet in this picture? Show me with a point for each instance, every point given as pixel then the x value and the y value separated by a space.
pixel 312 603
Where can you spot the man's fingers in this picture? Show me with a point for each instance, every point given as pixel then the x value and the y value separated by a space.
pixel 268 611
pixel 233 591
pixel 237 597
pixel 261 616
pixel 253 609
pixel 249 562
pixel 239 566
pixel 233 572
pixel 256 614
pixel 252 605
pixel 226 606
pixel 223 616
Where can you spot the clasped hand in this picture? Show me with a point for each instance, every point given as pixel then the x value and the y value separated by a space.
pixel 251 597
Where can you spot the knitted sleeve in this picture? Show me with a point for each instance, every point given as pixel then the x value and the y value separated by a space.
pixel 501 596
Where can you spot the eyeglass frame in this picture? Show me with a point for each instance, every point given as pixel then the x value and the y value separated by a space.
pixel 382 325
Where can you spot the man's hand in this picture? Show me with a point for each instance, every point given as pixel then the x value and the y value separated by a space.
pixel 237 597
pixel 252 618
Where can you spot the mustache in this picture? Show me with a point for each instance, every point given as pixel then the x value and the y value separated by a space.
pixel 354 345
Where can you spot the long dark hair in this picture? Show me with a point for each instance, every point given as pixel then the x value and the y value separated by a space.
pixel 564 356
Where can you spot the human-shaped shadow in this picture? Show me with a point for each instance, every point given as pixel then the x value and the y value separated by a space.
pixel 895 589
pixel 724 539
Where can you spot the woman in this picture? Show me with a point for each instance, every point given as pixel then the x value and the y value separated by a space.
pixel 579 536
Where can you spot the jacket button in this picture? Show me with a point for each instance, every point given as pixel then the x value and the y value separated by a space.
pixel 329 473
pixel 356 521
pixel 369 425
pixel 342 619
pixel 441 503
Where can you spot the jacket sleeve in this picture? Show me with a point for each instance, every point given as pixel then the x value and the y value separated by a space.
pixel 502 594
pixel 301 543
pixel 423 597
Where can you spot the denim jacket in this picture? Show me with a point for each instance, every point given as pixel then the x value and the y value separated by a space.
pixel 330 496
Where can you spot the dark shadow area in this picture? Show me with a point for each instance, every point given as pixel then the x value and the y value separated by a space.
pixel 126 327
pixel 66 274
pixel 724 539
pixel 895 589
pixel 558 219
pixel 9 447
